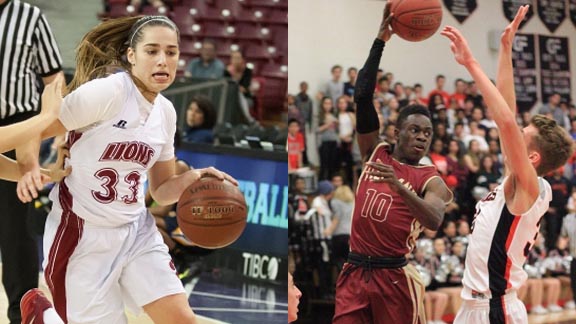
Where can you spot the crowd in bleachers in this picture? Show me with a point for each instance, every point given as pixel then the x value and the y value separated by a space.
pixel 466 152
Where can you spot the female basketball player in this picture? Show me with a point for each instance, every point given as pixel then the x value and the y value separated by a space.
pixel 103 251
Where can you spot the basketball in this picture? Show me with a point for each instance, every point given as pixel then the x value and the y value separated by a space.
pixel 416 20
pixel 212 213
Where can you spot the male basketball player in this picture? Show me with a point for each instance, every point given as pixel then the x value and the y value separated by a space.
pixel 507 220
pixel 395 195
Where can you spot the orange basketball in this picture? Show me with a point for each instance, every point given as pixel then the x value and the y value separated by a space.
pixel 416 20
pixel 212 213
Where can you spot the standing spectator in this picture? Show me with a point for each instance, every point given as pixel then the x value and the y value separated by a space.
pixel 322 239
pixel 206 66
pixel 304 103
pixel 239 72
pixel 335 87
pixel 383 92
pixel 342 205
pixel 474 95
pixel 28 50
pixel 346 127
pixel 459 92
pixel 200 120
pixel 439 89
pixel 295 145
pixel 328 138
pixel 553 110
pixel 349 86
pixel 561 190
pixel 419 95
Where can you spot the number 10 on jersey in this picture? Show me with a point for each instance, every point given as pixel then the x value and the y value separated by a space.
pixel 376 205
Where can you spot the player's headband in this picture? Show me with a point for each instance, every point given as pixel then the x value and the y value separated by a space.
pixel 146 19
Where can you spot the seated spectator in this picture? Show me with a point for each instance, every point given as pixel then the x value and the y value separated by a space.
pixel 206 66
pixel 488 175
pixel 557 264
pixel 537 283
pixel 449 272
pixel 435 302
pixel 200 119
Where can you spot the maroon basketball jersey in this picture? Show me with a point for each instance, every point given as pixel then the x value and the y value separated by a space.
pixel 382 224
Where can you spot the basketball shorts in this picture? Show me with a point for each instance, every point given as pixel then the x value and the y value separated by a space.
pixel 94 272
pixel 507 309
pixel 379 296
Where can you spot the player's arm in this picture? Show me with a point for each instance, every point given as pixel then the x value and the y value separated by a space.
pixel 367 123
pixel 19 134
pixel 429 210
pixel 505 74
pixel 522 172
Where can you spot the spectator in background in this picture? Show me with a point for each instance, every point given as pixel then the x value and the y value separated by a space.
pixel 561 191
pixel 552 109
pixel 434 102
pixel 335 87
pixel 207 66
pixel 439 89
pixel 474 95
pixel 569 231
pixel 328 140
pixel 346 127
pixel 488 176
pixel 419 95
pixel 342 204
pixel 238 72
pixel 295 145
pixel 383 92
pixel 304 103
pixel 349 86
pixel 459 92
pixel 200 120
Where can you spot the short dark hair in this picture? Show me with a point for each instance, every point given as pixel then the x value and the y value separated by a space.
pixel 336 67
pixel 411 110
pixel 293 120
pixel 440 76
pixel 352 69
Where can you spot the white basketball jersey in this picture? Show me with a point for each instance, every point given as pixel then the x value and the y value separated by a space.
pixel 115 136
pixel 500 242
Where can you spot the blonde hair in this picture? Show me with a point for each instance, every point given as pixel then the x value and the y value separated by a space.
pixel 344 193
pixel 102 50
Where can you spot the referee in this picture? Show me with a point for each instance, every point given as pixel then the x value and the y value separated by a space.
pixel 27 50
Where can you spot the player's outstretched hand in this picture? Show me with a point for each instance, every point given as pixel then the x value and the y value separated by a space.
pixel 29 185
pixel 458 45
pixel 213 172
pixel 385 31
pixel 382 173
pixel 508 34
pixel 52 98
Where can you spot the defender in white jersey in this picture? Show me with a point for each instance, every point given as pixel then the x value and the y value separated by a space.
pixel 103 251
pixel 507 220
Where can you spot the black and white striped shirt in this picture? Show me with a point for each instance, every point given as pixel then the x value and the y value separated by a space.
pixel 27 49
